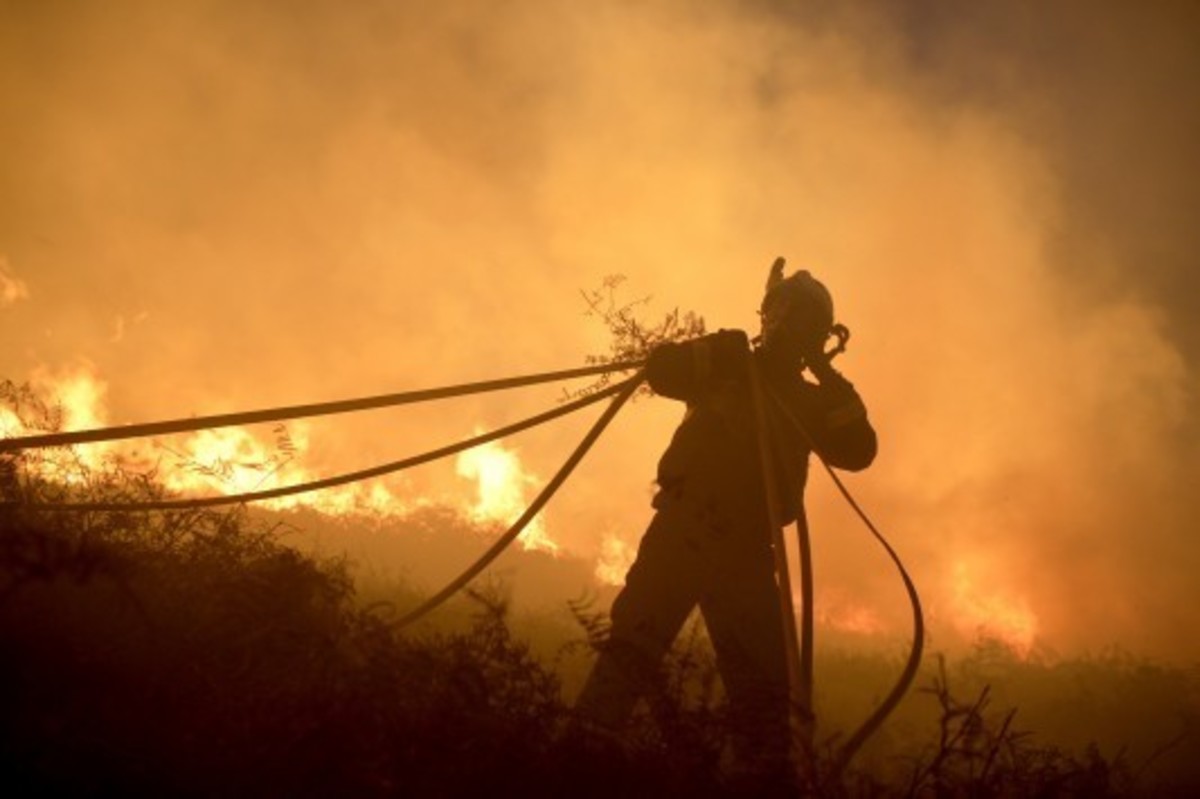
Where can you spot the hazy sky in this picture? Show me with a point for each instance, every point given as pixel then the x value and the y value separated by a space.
pixel 225 205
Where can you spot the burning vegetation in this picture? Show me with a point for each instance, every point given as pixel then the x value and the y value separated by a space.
pixel 204 652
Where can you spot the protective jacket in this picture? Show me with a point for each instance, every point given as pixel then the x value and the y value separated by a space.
pixel 712 458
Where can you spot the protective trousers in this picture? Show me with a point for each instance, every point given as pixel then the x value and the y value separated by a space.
pixel 693 555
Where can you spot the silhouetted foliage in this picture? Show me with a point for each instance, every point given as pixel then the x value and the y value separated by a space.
pixel 631 338
pixel 992 757
pixel 191 653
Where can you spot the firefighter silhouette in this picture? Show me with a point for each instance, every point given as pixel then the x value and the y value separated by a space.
pixel 709 544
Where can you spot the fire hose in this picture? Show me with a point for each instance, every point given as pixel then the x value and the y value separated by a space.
pixel 800 653
pixel 341 479
pixel 300 411
pixel 623 392
pixel 885 708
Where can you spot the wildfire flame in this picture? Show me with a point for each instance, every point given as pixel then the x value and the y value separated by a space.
pixel 10 423
pixel 981 611
pixel 236 460
pixel 230 460
pixel 80 402
pixel 501 487
pixel 233 461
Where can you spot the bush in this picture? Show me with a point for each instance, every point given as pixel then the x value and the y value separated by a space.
pixel 193 654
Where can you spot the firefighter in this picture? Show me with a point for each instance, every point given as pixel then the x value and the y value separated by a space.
pixel 709 544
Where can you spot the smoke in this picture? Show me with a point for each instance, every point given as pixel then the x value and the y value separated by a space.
pixel 12 288
pixel 322 201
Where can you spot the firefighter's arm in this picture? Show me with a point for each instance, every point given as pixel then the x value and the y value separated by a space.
pixel 841 430
pixel 687 369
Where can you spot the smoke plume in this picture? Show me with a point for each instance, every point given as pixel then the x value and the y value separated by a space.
pixel 315 200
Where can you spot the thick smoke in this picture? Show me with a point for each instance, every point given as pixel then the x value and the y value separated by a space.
pixel 230 205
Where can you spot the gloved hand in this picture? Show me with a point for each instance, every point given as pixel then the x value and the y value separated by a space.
pixel 818 360
pixel 819 364
pixel 729 350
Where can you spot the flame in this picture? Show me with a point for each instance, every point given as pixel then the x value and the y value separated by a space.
pixel 846 615
pixel 78 394
pixel 77 391
pixel 501 485
pixel 978 612
pixel 616 556
pixel 10 424
pixel 233 461
pixel 230 460
pixel 356 499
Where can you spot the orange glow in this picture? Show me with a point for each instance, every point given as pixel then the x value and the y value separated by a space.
pixel 230 460
pixel 233 461
pixel 12 288
pixel 78 394
pixel 10 425
pixel 981 611
pixel 1009 235
pixel 846 616
pixel 501 485
pixel 373 498
pixel 616 556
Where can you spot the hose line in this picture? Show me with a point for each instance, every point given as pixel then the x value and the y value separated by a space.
pixel 624 392
pixel 798 659
pixel 301 411
pixel 621 392
pixel 330 482
pixel 885 708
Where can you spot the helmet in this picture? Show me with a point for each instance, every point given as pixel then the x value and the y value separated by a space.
pixel 799 304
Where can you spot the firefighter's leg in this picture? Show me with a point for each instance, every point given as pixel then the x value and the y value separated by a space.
pixel 744 622
pixel 660 591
